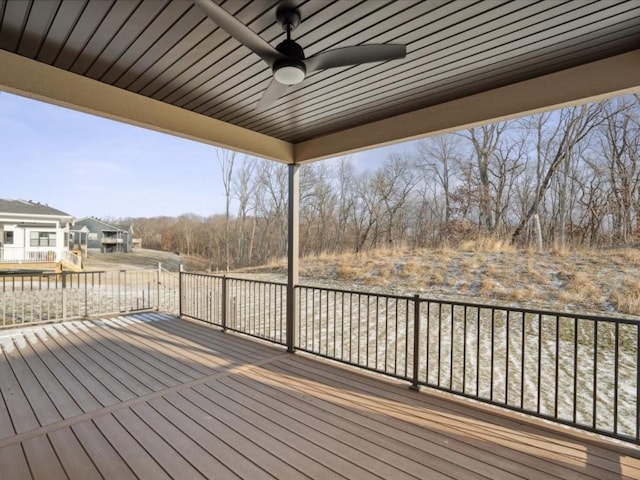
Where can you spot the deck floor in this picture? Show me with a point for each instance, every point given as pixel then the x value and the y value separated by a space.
pixel 150 396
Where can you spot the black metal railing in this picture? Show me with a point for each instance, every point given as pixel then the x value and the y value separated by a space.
pixel 579 370
pixel 368 330
pixel 251 307
pixel 34 298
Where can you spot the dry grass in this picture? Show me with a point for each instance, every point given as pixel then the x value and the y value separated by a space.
pixel 627 298
pixel 489 270
pixel 488 244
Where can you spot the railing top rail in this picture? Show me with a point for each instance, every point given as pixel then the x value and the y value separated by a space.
pixel 228 277
pixel 458 303
pixel 628 320
pixel 357 292
pixel 541 312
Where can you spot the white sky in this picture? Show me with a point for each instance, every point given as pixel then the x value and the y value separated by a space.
pixel 90 166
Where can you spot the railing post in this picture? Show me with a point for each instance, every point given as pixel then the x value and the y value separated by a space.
pixel 158 287
pixel 64 294
pixel 416 342
pixel 86 296
pixel 224 303
pixel 180 272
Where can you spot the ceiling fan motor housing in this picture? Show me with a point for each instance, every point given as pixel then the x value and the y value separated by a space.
pixel 291 69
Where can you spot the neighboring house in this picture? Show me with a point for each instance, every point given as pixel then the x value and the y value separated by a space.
pixel 33 233
pixel 104 237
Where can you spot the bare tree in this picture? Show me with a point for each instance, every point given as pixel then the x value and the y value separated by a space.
pixel 226 160
pixel 438 160
pixel 620 143
pixel 485 141
pixel 574 124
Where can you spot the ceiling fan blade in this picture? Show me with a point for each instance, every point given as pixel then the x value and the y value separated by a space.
pixel 347 56
pixel 239 31
pixel 274 91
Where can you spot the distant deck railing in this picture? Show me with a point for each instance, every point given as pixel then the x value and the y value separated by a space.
pixel 578 370
pixel 72 258
pixel 35 298
pixel 21 255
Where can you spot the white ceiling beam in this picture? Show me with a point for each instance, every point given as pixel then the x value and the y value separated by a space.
pixel 36 80
pixel 613 76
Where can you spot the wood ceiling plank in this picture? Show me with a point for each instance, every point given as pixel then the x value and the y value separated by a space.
pixel 61 27
pixel 205 60
pixel 114 36
pixel 13 20
pixel 612 76
pixel 447 67
pixel 142 43
pixel 83 29
pixel 145 66
pixel 335 78
pixel 36 28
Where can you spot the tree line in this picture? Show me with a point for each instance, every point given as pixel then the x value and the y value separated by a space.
pixel 566 178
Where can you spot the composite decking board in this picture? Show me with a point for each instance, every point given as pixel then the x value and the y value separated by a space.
pixel 412 409
pixel 81 395
pixel 43 408
pixel 382 459
pixel 6 424
pixel 558 450
pixel 81 371
pixel 75 461
pixel 436 454
pixel 65 403
pixel 155 353
pixel 530 427
pixel 117 370
pixel 282 416
pixel 455 435
pixel 97 377
pixel 135 456
pixel 243 466
pixel 309 465
pixel 260 453
pixel 192 452
pixel 106 459
pixel 212 359
pixel 139 380
pixel 23 417
pixel 43 461
pixel 285 431
pixel 162 450
pixel 435 449
pixel 228 346
pixel 201 361
pixel 141 359
pixel 13 462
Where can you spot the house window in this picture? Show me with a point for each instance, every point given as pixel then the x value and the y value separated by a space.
pixel 93 236
pixel 42 239
pixel 7 238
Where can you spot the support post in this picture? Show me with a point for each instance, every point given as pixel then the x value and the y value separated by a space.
pixel 416 342
pixel 292 253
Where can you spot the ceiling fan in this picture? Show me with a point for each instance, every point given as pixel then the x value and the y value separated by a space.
pixel 287 59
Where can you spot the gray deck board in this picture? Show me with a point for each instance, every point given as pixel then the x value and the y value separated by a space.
pixel 153 396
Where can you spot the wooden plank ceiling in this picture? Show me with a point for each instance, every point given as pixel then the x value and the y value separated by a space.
pixel 168 50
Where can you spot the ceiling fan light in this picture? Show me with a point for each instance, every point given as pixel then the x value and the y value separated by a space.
pixel 289 74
